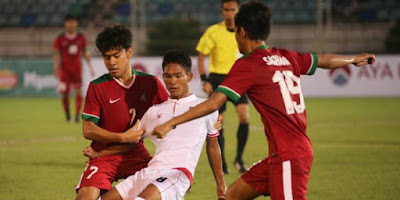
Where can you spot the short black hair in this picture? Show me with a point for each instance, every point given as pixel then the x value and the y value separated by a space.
pixel 178 57
pixel 255 18
pixel 225 1
pixel 70 17
pixel 116 37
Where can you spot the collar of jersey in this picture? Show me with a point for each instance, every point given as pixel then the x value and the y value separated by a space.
pixel 124 86
pixel 260 47
pixel 183 100
pixel 70 36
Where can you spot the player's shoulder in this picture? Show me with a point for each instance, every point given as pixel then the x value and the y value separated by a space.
pixel 60 34
pixel 80 33
pixel 102 79
pixel 145 78
pixel 215 28
pixel 143 74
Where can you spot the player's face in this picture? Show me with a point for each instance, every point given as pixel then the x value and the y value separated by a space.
pixel 117 61
pixel 229 10
pixel 177 80
pixel 71 25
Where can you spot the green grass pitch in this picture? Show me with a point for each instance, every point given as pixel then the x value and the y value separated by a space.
pixel 356 144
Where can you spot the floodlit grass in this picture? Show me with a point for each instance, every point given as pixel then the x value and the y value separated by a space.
pixel 356 144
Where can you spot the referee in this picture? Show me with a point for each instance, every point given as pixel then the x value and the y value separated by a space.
pixel 219 43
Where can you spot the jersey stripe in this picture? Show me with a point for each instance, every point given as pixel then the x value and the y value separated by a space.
pixel 313 65
pixel 228 92
pixel 89 117
pixel 287 180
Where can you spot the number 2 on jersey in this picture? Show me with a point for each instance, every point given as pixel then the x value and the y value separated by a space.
pixel 286 80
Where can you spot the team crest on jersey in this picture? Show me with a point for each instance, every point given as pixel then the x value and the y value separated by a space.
pixel 276 60
pixel 142 97
pixel 159 116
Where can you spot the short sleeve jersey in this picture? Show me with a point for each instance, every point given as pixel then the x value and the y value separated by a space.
pixel 271 78
pixel 220 44
pixel 116 107
pixel 70 49
pixel 182 146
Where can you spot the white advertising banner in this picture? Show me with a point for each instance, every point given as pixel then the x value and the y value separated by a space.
pixel 380 79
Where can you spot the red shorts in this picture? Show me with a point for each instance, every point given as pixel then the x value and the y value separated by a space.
pixel 101 172
pixel 280 179
pixel 68 80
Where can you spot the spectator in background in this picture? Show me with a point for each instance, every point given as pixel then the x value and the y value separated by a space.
pixel 219 42
pixel 69 46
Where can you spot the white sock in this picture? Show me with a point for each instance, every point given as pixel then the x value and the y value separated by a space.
pixel 138 198
pixel 99 198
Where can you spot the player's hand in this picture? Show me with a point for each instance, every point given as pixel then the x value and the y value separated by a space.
pixel 133 134
pixel 162 130
pixel 207 88
pixel 218 124
pixel 364 59
pixel 90 152
pixel 221 191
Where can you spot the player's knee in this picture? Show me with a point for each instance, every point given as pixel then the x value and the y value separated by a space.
pixel 244 118
pixel 88 193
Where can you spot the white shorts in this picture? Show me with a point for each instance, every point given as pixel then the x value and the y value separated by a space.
pixel 172 183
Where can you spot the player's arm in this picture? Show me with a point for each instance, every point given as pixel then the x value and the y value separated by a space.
pixel 210 105
pixel 331 61
pixel 214 158
pixel 56 63
pixel 93 132
pixel 86 54
pixel 207 87
pixel 115 149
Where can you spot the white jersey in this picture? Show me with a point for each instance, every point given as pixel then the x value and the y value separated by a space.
pixel 182 146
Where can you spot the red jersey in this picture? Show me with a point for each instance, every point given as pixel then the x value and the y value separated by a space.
pixel 270 77
pixel 70 48
pixel 116 107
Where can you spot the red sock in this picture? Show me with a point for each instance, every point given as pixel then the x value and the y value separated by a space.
pixel 78 104
pixel 65 102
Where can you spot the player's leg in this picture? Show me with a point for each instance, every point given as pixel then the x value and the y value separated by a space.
pixel 78 96
pixel 63 88
pixel 168 184
pixel 78 102
pixel 253 183
pixel 151 193
pixel 88 193
pixel 289 179
pixel 215 80
pixel 240 190
pixel 113 194
pixel 130 187
pixel 242 108
pixel 97 178
pixel 221 140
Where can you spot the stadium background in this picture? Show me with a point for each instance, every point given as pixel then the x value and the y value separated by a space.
pixel 354 128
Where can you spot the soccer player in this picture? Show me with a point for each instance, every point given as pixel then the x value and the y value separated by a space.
pixel 219 43
pixel 271 77
pixel 69 47
pixel 170 173
pixel 113 103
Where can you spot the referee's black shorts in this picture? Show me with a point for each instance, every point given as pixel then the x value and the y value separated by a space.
pixel 215 80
